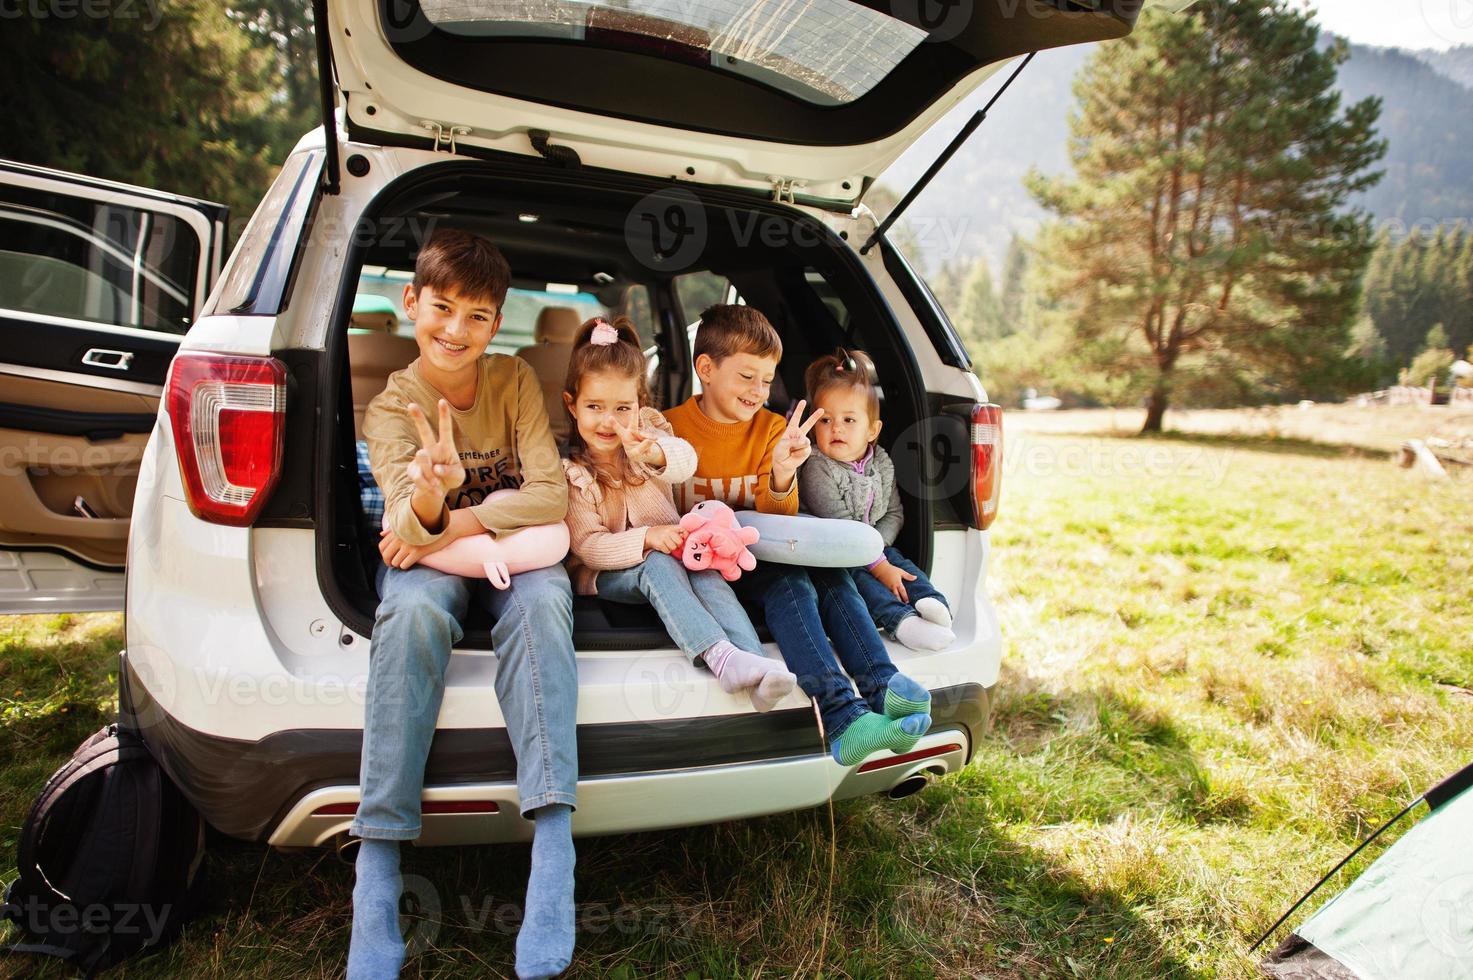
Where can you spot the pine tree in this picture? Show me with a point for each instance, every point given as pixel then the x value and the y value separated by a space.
pixel 948 286
pixel 1013 293
pixel 981 313
pixel 1421 280
pixel 162 95
pixel 1205 240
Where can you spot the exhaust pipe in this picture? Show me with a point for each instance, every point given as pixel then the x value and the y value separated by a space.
pixel 910 785
pixel 346 848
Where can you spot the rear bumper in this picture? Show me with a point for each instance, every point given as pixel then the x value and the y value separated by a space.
pixel 632 776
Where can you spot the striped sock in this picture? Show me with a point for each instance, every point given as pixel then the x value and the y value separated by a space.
pixel 904 696
pixel 871 732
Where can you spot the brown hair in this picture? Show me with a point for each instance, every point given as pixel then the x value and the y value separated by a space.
pixel 462 262
pixel 728 329
pixel 623 357
pixel 844 369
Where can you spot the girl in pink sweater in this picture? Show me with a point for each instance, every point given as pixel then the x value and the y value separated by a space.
pixel 625 531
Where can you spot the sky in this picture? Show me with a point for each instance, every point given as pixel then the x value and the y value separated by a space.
pixel 1439 24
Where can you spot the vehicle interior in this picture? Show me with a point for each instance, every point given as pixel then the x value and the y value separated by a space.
pixel 571 259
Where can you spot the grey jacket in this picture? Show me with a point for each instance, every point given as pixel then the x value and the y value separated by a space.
pixel 827 488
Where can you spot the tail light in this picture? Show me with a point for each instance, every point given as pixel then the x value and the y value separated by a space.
pixel 986 438
pixel 228 414
pixel 427 807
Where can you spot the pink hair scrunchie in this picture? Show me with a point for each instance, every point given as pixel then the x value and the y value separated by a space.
pixel 603 334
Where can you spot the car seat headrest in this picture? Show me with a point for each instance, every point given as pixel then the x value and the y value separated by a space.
pixel 557 325
pixel 375 322
pixel 374 313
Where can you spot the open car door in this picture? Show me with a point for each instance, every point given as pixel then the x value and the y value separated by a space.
pixel 98 283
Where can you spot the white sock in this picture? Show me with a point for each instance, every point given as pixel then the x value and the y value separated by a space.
pixel 933 610
pixel 918 634
pixel 765 682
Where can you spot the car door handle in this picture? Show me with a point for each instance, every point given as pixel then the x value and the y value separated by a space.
pixel 116 360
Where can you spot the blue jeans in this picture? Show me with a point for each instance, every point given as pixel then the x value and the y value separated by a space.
pixel 699 609
pixel 883 604
pixel 805 608
pixel 419 619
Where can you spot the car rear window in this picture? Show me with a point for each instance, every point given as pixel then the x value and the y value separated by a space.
pixel 520 311
pixel 827 52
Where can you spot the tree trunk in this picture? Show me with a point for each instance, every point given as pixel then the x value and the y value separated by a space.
pixel 1155 407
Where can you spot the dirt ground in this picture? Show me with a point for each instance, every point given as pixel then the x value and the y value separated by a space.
pixel 1380 428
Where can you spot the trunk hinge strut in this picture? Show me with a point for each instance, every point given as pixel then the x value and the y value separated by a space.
pixel 940 161
pixel 444 135
pixel 331 182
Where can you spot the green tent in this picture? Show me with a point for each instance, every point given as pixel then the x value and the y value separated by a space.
pixel 1409 916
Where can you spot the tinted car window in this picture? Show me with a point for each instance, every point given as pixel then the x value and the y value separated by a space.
pixel 107 263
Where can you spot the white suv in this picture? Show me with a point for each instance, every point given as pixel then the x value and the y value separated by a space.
pixel 642 158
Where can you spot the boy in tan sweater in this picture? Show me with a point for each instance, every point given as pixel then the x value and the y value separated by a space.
pixel 748 458
pixel 492 434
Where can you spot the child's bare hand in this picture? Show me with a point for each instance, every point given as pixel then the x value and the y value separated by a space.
pixel 640 445
pixel 397 554
pixel 793 448
pixel 664 537
pixel 436 468
pixel 893 577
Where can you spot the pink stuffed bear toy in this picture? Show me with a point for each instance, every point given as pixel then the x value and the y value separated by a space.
pixel 501 557
pixel 714 539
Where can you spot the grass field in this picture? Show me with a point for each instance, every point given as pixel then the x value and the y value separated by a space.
pixel 1226 660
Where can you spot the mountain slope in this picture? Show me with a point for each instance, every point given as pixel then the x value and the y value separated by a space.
pixel 978 201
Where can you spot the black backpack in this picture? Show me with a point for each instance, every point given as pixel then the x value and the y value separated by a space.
pixel 110 857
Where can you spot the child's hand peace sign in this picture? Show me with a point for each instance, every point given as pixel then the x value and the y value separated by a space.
pixel 793 448
pixel 436 468
pixel 639 445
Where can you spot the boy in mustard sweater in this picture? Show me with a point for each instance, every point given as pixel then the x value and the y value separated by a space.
pixel 748 458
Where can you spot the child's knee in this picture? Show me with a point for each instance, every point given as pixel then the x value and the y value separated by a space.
pixel 547 599
pixel 796 583
pixel 661 567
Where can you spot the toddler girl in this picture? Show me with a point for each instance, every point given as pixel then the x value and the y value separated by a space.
pixel 851 477
pixel 622 520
